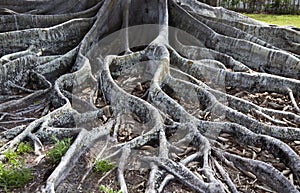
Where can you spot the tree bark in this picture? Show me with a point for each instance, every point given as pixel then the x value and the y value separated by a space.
pixel 201 96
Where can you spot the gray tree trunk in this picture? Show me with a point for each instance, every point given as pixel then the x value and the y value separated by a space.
pixel 175 89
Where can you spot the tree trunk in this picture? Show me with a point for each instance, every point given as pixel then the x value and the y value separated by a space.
pixel 189 97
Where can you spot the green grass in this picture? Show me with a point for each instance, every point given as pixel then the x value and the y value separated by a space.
pixel 13 173
pixel 24 148
pixel 103 166
pixel 59 150
pixel 11 157
pixel 108 190
pixel 281 20
pixel 14 176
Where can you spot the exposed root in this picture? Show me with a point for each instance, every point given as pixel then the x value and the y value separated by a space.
pixel 211 103
pixel 293 100
pixel 262 171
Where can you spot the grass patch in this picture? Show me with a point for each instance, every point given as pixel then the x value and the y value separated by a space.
pixel 13 173
pixel 11 157
pixel 108 190
pixel 103 166
pixel 59 149
pixel 24 148
pixel 14 176
pixel 281 20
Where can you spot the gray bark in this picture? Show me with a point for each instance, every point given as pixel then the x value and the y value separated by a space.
pixel 142 82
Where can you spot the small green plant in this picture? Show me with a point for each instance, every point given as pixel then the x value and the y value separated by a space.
pixel 14 176
pixel 102 166
pixel 13 173
pixel 24 148
pixel 11 157
pixel 60 148
pixel 108 190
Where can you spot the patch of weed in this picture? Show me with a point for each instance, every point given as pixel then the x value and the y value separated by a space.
pixel 14 176
pixel 102 166
pixel 108 190
pixel 59 149
pixel 24 148
pixel 11 157
pixel 13 173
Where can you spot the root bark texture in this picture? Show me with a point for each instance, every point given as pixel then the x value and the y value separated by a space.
pixel 193 98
